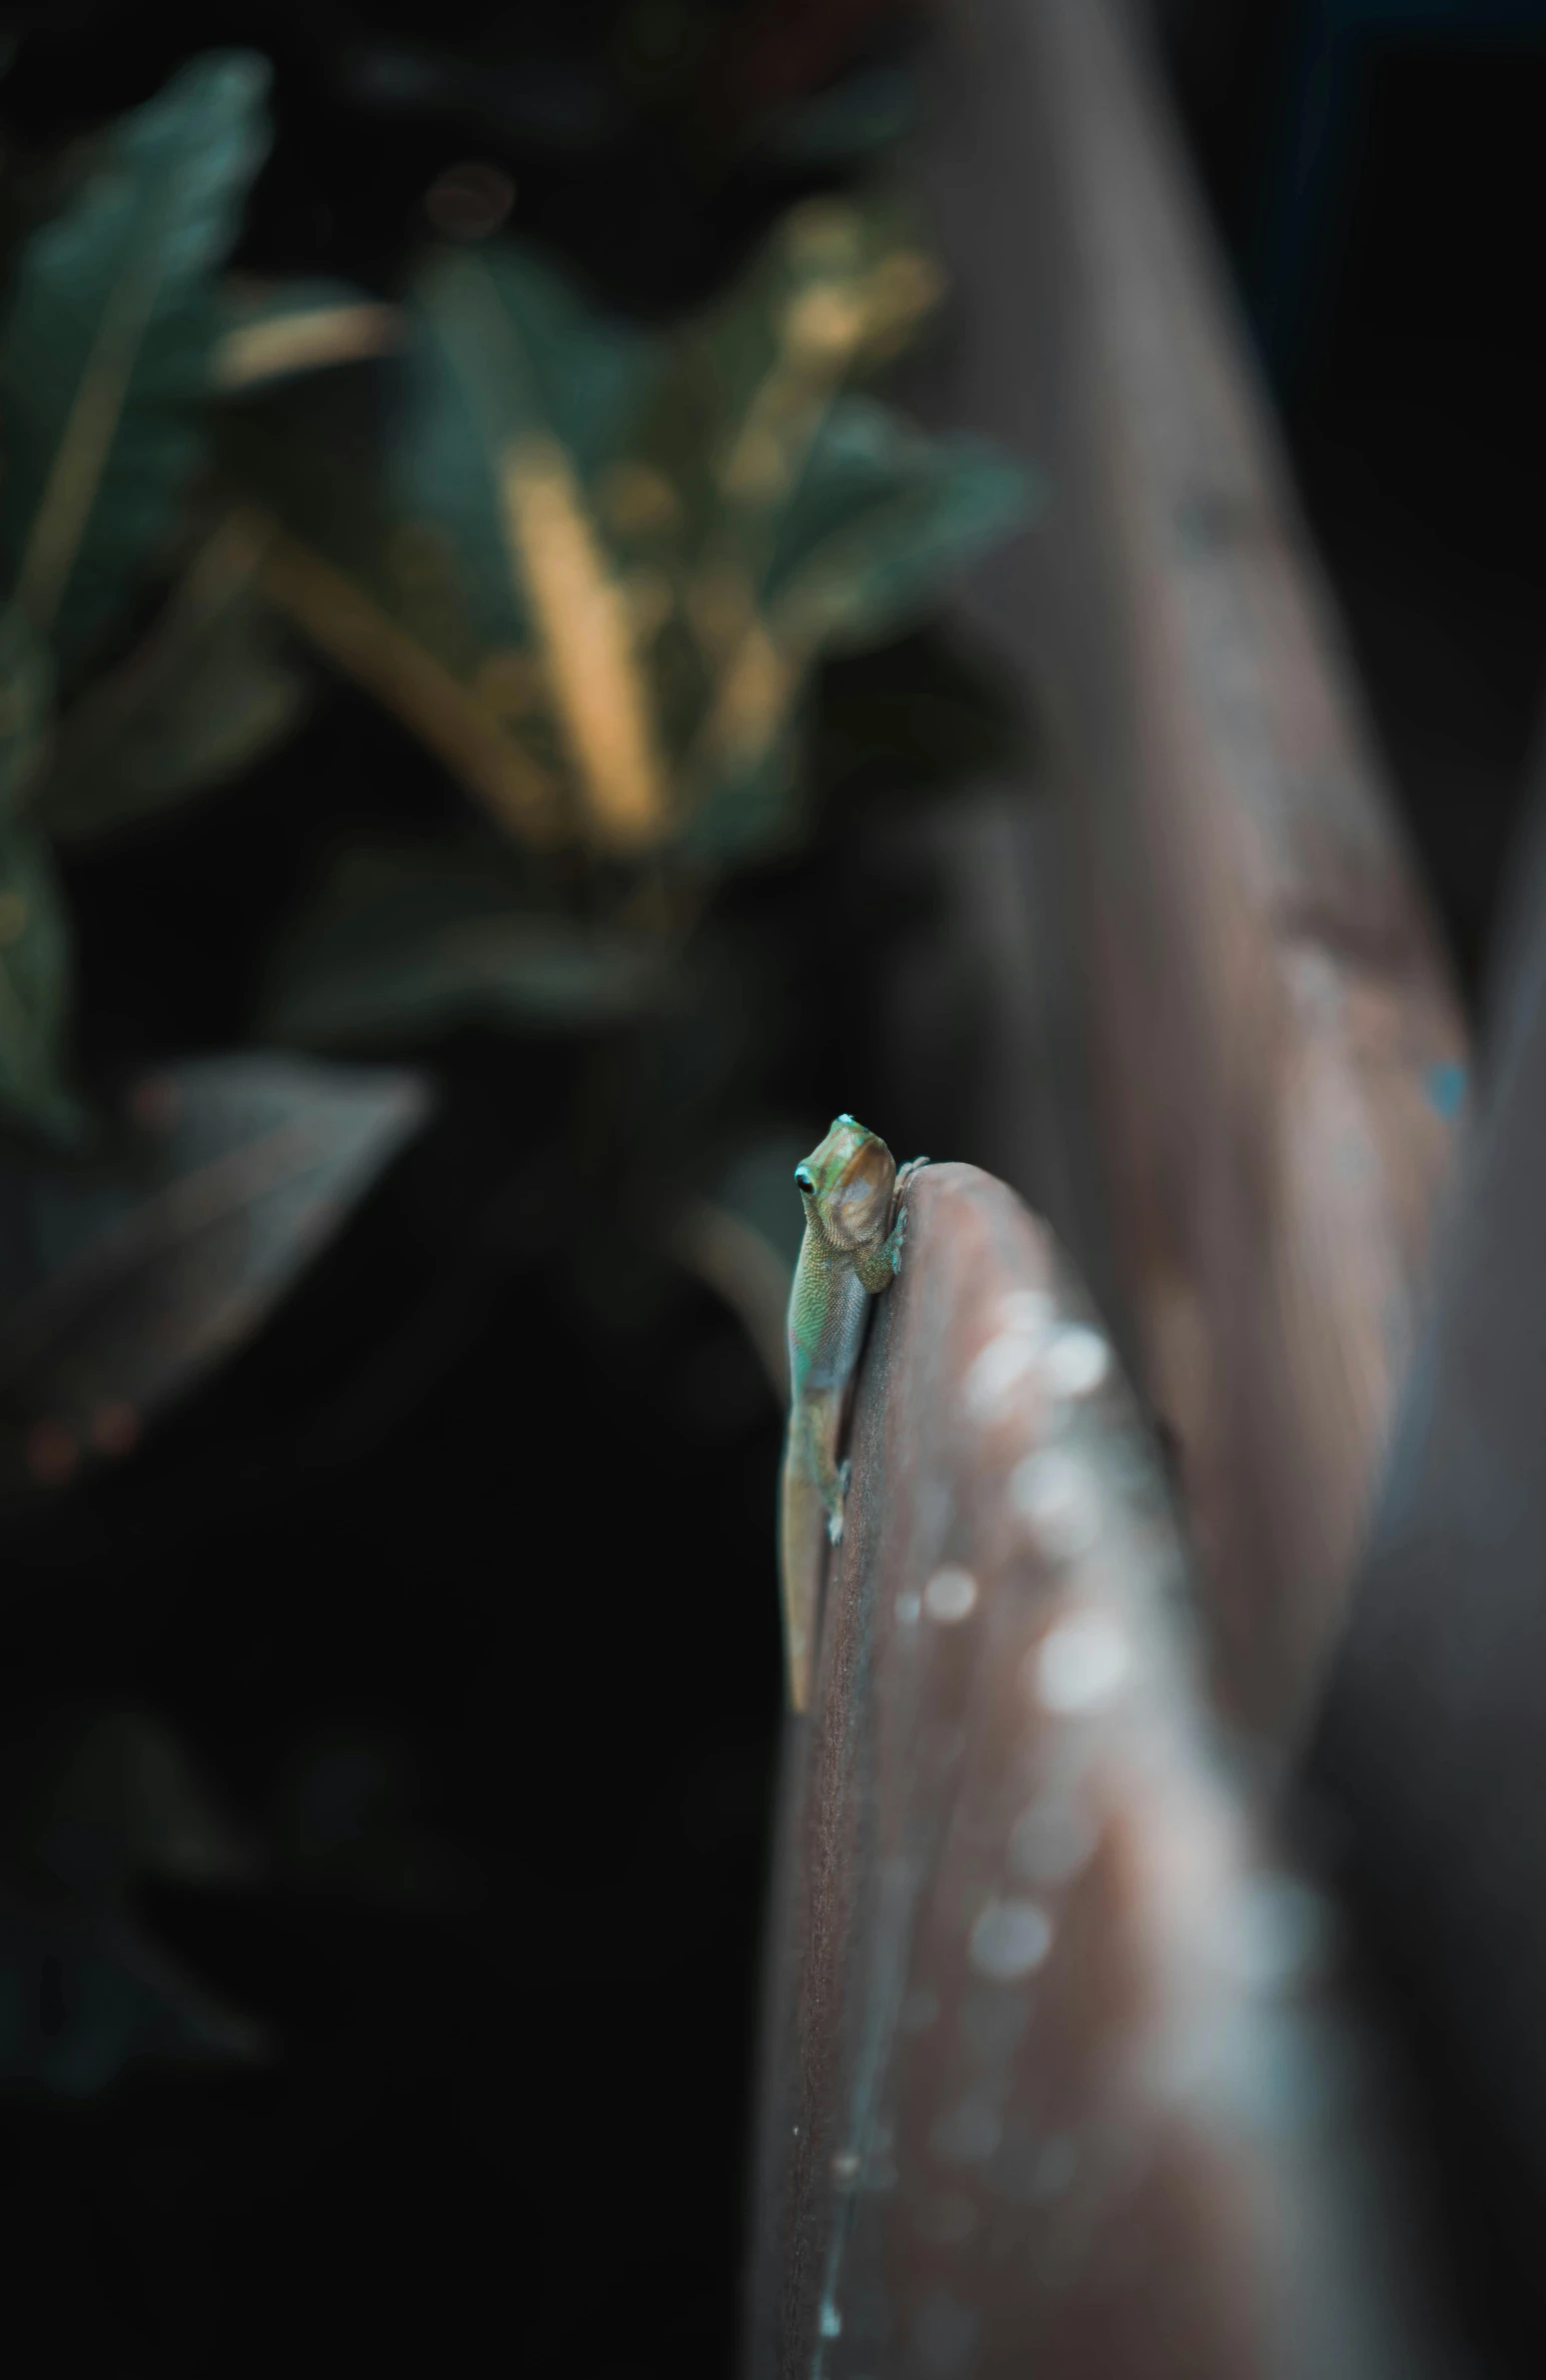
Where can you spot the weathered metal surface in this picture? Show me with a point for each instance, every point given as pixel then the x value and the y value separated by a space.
pixel 1279 1049
pixel 1056 2079
pixel 1431 1751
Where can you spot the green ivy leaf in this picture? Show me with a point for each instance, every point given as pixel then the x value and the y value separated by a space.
pixel 106 347
pixel 401 941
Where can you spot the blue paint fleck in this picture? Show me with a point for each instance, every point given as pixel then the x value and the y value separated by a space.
pixel 1446 1089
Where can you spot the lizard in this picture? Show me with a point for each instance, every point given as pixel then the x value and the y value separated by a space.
pixel 856 1223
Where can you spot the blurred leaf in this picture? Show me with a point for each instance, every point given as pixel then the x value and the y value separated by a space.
pixel 838 285
pixel 527 101
pixel 880 516
pixel 271 334
pixel 705 1056
pixel 35 954
pixel 94 1804
pixel 756 1182
pixel 26 710
pixel 916 715
pixel 208 691
pixel 594 570
pixel 775 53
pixel 657 59
pixel 462 722
pixel 742 1236
pixel 401 940
pixel 36 185
pixel 548 386
pixel 515 351
pixel 842 126
pixel 412 581
pixel 667 1095
pixel 95 1800
pixel 752 795
pixel 122 1282
pixel 106 349
pixel 86 1997
pixel 547 478
pixel 809 515
pixel 347 1824
pixel 407 500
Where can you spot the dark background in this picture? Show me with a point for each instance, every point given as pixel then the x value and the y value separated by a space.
pixel 518 1561
pixel 1378 177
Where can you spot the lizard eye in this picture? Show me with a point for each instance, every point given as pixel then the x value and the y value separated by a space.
pixel 804 1180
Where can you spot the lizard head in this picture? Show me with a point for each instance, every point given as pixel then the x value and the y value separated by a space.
pixel 847 1184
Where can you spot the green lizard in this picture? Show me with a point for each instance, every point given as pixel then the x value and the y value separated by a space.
pixel 855 1221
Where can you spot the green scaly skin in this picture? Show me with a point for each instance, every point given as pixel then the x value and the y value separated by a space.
pixel 856 1223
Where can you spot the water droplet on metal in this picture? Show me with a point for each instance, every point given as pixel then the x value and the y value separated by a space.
pixel 920 2010
pixel 1057 2164
pixel 1080 1663
pixel 996 1372
pixel 947 2219
pixel 1076 1362
pixel 1009 1940
pixel 1057 1496
pixel 967 2133
pixel 944 2338
pixel 952 1595
pixel 1028 1311
pixel 1051 1840
pixel 1271 1932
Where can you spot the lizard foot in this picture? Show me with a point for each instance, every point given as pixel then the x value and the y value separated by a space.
pixel 898 1230
pixel 835 1509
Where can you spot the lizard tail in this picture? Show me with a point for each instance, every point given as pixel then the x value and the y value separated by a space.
pixel 801 1560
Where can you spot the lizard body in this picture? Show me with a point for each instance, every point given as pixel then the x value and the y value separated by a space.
pixel 855 1226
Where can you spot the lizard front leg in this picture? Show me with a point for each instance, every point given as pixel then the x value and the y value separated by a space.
pixel 878 1267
